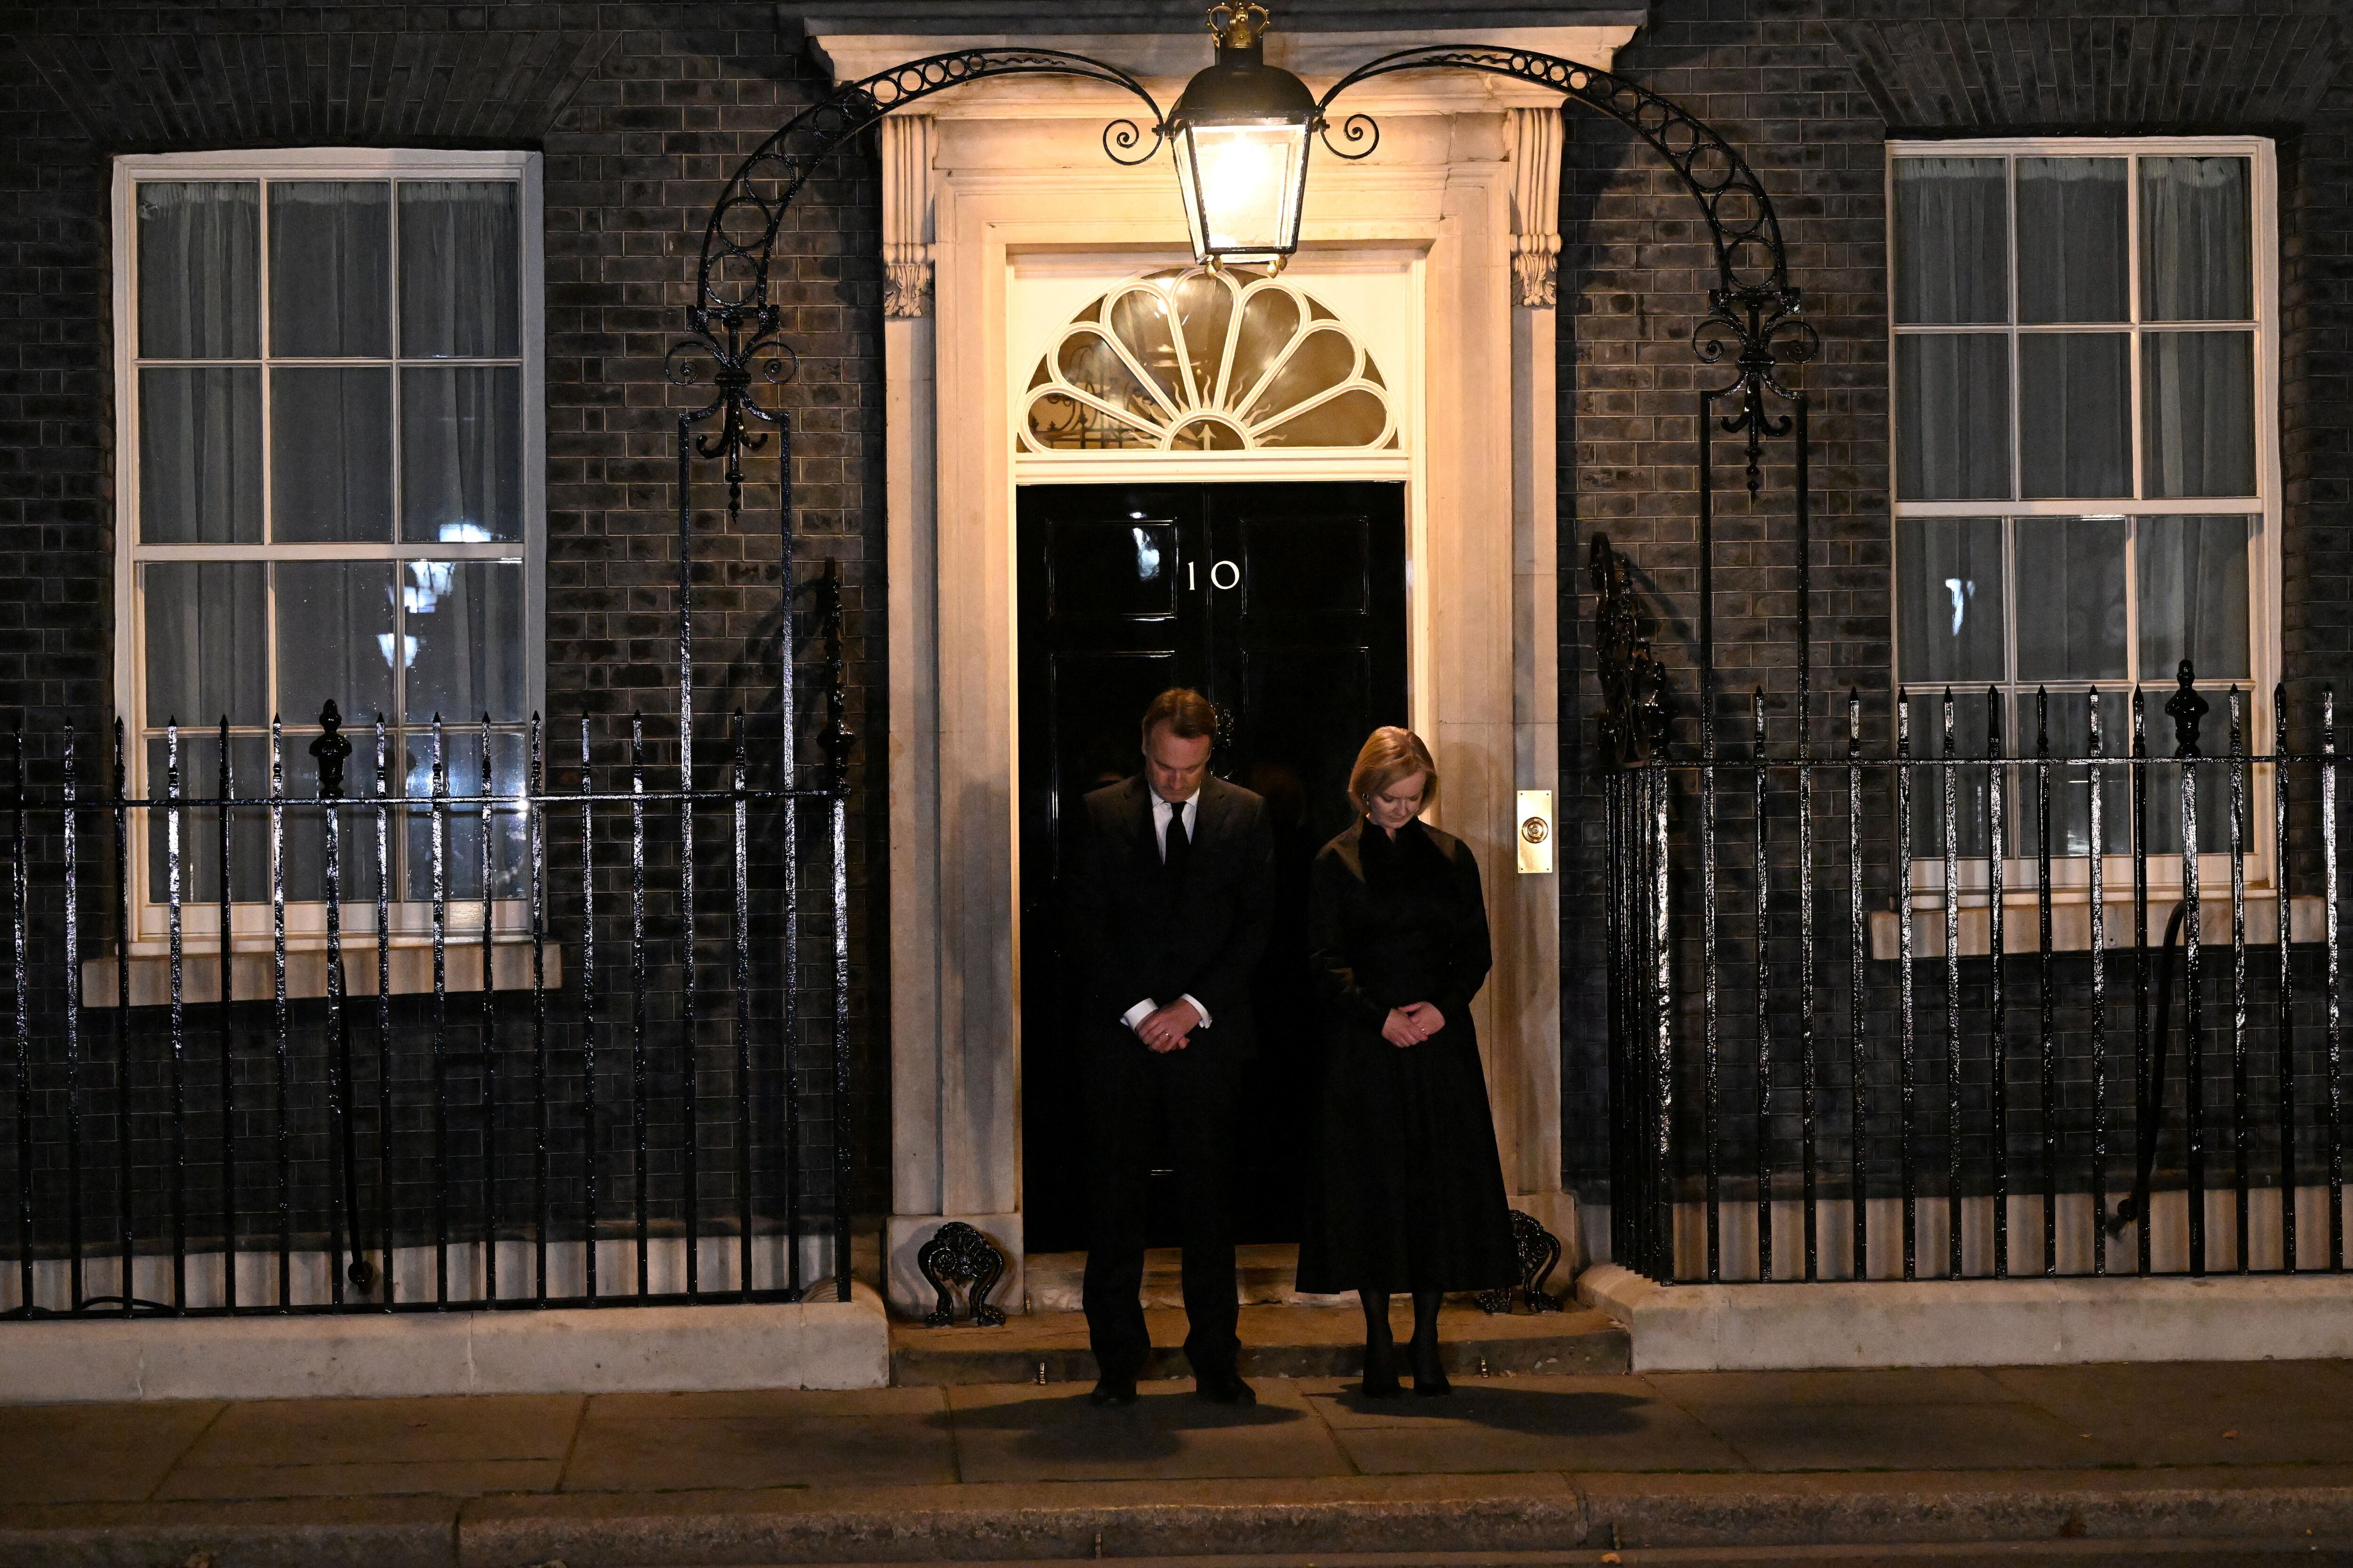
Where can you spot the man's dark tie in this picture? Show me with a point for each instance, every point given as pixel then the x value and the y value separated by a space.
pixel 1179 847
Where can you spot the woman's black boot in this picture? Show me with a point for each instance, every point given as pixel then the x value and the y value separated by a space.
pixel 1380 1348
pixel 1429 1366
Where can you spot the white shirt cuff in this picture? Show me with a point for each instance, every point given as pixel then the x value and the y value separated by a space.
pixel 1188 997
pixel 1140 1012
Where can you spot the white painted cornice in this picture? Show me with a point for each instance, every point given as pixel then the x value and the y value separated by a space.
pixel 1164 62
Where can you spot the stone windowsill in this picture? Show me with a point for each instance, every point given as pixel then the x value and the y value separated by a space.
pixel 253 979
pixel 2071 923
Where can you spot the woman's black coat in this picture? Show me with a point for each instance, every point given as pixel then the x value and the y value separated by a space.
pixel 1407 1191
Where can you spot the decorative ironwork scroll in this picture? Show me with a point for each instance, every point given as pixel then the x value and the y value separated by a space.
pixel 1635 702
pixel 1539 1255
pixel 960 1254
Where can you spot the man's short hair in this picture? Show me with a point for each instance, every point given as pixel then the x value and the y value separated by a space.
pixel 1188 715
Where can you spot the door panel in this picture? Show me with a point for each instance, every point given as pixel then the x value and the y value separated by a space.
pixel 1286 605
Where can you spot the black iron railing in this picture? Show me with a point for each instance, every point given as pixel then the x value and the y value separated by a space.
pixel 1835 1054
pixel 543 1066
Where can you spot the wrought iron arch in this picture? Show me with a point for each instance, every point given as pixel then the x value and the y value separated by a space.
pixel 1755 315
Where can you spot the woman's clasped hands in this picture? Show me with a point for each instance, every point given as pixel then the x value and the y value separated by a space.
pixel 1411 1024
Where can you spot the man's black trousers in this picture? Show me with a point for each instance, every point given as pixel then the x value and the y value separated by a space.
pixel 1140 1103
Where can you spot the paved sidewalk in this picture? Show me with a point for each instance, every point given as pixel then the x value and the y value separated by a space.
pixel 2254 1451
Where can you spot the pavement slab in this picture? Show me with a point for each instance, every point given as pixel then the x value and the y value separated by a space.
pixel 2257 1455
pixel 1027 1433
pixel 678 1442
pixel 96 1453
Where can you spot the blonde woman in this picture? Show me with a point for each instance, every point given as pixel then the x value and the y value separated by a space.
pixel 1410 1191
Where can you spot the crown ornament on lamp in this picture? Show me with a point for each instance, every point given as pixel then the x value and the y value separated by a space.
pixel 1239 136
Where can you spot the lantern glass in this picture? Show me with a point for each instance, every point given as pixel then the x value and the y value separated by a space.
pixel 1242 183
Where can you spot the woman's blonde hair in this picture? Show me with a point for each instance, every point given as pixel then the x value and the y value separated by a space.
pixel 1392 752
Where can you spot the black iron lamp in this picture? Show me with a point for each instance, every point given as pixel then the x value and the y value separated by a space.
pixel 1240 135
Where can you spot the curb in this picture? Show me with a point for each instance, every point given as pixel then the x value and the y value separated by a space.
pixel 1342 1515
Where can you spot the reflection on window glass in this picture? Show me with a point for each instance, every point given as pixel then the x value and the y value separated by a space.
pixel 2070 597
pixel 1949 598
pixel 464 621
pixel 461 453
pixel 460 837
pixel 335 639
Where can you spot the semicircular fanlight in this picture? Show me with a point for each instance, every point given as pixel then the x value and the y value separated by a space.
pixel 1194 361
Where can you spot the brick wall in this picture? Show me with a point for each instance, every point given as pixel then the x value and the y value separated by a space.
pixel 641 112
pixel 1809 90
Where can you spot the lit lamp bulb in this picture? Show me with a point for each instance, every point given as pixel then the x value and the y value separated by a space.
pixel 1240 135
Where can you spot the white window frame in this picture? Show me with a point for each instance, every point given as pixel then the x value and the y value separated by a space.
pixel 306 918
pixel 2071 873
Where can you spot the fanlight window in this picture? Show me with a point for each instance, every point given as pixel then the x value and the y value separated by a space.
pixel 1196 361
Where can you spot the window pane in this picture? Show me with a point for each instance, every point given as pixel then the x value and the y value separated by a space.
pixel 2071 240
pixel 306 827
pixel 461 825
pixel 2074 394
pixel 2198 416
pixel 2068 721
pixel 1952 261
pixel 464 623
pixel 334 639
pixel 1969 784
pixel 200 454
pixel 1952 417
pixel 2196 249
pixel 207 645
pixel 200 826
pixel 331 267
pixel 2164 789
pixel 461 453
pixel 458 264
pixel 1949 598
pixel 2070 597
pixel 331 453
pixel 198 251
pixel 2193 597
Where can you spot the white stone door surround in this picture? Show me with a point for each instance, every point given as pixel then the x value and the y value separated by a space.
pixel 1461 193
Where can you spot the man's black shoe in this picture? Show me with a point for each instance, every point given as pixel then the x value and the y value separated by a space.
pixel 1225 1388
pixel 1112 1391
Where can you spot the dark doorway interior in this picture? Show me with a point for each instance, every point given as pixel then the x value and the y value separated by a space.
pixel 1286 605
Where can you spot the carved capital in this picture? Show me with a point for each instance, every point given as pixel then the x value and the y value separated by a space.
pixel 907 141
pixel 1535 205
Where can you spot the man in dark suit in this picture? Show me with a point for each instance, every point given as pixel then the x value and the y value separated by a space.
pixel 1171 879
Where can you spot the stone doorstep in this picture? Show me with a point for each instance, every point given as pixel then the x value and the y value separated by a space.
pixel 1973 1323
pixel 821 1344
pixel 1262 1275
pixel 1449 1515
pixel 1277 1342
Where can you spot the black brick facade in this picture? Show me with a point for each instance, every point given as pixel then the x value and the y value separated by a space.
pixel 1809 90
pixel 641 111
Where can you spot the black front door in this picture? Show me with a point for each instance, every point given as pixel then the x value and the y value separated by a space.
pixel 1286 605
